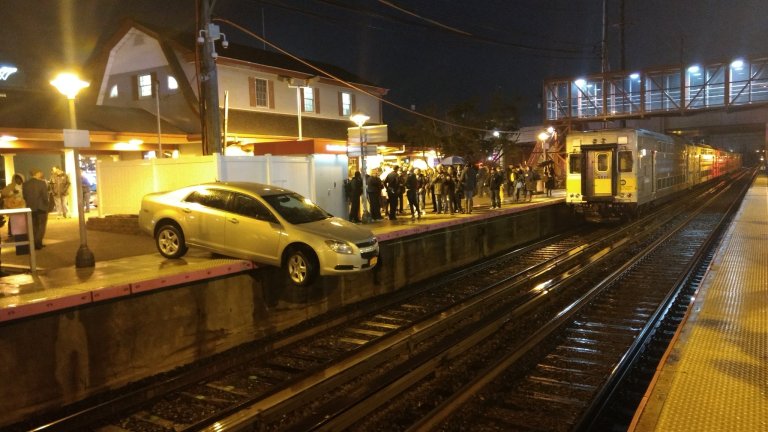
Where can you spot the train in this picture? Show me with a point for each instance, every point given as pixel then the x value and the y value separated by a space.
pixel 616 174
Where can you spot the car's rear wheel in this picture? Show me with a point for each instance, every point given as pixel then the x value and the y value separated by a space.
pixel 301 266
pixel 170 241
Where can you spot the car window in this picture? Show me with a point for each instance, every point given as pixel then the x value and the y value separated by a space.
pixel 295 208
pixel 213 198
pixel 250 207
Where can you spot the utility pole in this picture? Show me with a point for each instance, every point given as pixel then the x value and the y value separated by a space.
pixel 604 44
pixel 209 84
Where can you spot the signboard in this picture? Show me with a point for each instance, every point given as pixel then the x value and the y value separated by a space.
pixel 371 134
pixel 77 138
pixel 370 150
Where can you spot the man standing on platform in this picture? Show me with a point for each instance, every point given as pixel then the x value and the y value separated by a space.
pixel 35 191
pixel 392 183
pixel 60 188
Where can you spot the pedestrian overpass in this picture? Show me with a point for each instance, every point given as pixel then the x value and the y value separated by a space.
pixel 724 104
pixel 678 90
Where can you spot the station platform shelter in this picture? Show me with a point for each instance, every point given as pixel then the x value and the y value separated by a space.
pixel 714 376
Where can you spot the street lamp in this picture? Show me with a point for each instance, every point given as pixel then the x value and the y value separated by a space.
pixel 299 88
pixel 359 119
pixel 70 85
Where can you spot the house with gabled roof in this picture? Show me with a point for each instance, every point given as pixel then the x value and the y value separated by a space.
pixel 143 100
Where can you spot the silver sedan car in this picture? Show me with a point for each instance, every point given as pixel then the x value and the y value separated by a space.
pixel 258 222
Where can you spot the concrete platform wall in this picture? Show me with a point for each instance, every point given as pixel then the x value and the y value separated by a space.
pixel 60 358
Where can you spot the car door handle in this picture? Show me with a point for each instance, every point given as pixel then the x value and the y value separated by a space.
pixel 186 210
pixel 234 220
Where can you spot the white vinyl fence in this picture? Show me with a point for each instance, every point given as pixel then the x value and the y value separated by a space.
pixel 122 184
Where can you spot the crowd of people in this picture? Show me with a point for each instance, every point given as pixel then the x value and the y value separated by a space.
pixel 42 196
pixel 450 189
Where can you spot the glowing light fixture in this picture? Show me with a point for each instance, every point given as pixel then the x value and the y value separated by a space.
pixel 737 64
pixel 7 138
pixel 580 82
pixel 695 69
pixel 634 76
pixel 69 84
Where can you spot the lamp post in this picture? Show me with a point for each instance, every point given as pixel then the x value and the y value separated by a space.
pixel 299 87
pixel 70 85
pixel 359 119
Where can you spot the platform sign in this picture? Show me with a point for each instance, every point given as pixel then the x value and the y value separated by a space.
pixel 77 138
pixel 371 134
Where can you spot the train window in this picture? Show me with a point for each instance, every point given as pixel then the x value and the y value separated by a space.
pixel 625 161
pixel 602 162
pixel 574 164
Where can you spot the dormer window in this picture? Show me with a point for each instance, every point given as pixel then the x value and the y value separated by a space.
pixel 113 93
pixel 145 85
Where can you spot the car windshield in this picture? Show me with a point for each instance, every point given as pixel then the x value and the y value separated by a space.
pixel 295 208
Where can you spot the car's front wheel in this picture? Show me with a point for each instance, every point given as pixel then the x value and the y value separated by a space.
pixel 170 241
pixel 301 267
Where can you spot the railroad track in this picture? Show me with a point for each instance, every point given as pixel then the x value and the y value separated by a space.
pixel 334 375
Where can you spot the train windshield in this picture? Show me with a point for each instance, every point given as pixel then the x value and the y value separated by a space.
pixel 574 164
pixel 625 161
pixel 602 162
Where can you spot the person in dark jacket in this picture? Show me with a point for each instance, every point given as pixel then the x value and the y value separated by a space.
pixel 412 190
pixel 375 186
pixel 469 182
pixel 495 182
pixel 392 183
pixel 35 191
pixel 355 191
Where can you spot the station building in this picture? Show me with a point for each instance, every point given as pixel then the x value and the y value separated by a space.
pixel 143 103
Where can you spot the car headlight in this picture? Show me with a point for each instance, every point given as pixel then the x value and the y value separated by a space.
pixel 340 247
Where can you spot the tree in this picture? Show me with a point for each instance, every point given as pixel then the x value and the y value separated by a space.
pixel 465 131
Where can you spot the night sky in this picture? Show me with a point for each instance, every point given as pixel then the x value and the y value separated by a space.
pixel 429 53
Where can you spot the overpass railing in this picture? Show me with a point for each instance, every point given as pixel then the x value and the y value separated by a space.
pixel 616 95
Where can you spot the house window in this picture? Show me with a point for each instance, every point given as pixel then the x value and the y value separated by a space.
pixel 145 85
pixel 308 99
pixel 346 104
pixel 172 83
pixel 113 93
pixel 260 92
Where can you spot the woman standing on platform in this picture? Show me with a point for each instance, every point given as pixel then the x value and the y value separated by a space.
pixel 13 197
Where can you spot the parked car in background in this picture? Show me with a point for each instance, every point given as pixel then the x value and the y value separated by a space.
pixel 258 222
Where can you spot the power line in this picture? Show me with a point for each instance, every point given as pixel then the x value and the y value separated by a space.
pixel 347 83
pixel 527 49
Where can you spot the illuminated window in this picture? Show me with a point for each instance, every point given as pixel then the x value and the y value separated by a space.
pixel 308 98
pixel 346 104
pixel 172 83
pixel 113 92
pixel 145 85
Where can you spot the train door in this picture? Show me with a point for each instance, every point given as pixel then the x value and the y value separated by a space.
pixel 600 177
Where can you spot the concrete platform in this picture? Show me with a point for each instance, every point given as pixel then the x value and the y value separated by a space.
pixel 714 377
pixel 129 264
pixel 67 334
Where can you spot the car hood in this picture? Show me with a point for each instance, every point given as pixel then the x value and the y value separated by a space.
pixel 337 228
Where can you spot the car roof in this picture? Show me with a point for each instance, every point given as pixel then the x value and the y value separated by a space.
pixel 257 188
